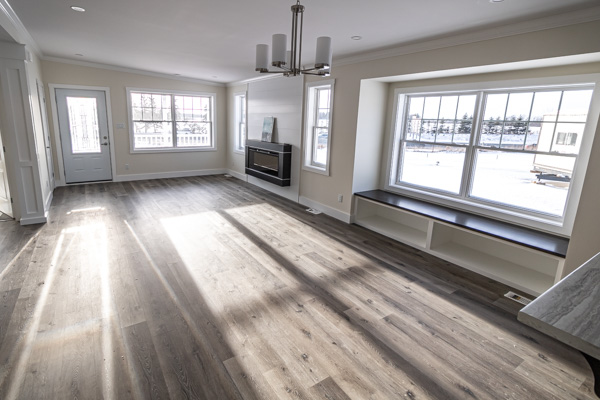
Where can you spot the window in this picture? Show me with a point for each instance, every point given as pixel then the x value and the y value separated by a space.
pixel 511 150
pixel 240 122
pixel 317 135
pixel 161 121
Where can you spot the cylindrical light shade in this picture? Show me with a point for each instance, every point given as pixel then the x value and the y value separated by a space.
pixel 323 56
pixel 279 48
pixel 262 57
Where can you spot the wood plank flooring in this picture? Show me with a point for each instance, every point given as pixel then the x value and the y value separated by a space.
pixel 211 288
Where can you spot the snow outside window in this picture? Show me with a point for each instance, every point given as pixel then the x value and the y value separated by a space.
pixel 513 149
pixel 240 122
pixel 161 121
pixel 317 135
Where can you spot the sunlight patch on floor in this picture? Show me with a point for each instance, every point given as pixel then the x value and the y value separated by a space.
pixel 89 209
pixel 27 344
pixel 16 257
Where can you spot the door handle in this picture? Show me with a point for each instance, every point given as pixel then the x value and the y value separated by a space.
pixel 104 144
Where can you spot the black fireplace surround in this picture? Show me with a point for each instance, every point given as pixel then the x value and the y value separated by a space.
pixel 269 161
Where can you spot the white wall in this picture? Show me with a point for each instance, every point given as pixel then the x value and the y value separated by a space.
pixel 370 131
pixel 281 98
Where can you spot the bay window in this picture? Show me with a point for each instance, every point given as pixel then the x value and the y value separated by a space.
pixel 511 150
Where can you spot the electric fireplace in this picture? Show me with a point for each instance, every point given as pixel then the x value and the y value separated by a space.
pixel 269 161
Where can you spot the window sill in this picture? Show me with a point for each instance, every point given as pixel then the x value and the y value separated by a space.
pixel 321 171
pixel 237 151
pixel 173 150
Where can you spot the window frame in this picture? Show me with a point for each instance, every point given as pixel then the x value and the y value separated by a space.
pixel 536 220
pixel 237 147
pixel 310 129
pixel 175 148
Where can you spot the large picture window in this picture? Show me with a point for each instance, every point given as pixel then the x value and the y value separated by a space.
pixel 511 149
pixel 161 121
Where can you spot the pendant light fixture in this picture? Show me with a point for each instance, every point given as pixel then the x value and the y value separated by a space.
pixel 289 62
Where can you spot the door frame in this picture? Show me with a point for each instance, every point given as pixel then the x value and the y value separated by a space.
pixel 60 179
pixel 43 104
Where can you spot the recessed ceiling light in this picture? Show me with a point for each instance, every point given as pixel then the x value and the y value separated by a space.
pixel 355 37
pixel 496 1
pixel 80 55
pixel 176 74
pixel 79 9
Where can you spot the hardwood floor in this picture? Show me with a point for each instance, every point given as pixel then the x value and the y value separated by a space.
pixel 211 288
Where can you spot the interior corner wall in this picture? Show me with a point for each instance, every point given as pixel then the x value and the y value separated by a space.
pixel 370 131
pixel 143 165
pixel 585 243
pixel 282 98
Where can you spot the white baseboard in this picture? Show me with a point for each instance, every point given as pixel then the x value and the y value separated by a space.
pixel 238 175
pixel 173 174
pixel 332 212
pixel 33 220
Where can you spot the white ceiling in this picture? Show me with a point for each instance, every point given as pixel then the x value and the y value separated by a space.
pixel 215 40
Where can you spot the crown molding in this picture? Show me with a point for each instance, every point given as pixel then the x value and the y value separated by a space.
pixel 554 21
pixel 131 70
pixel 9 20
pixel 255 79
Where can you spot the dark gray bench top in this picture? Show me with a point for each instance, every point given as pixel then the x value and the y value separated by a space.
pixel 546 242
pixel 570 310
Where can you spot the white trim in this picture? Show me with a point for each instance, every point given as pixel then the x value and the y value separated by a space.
pixel 173 174
pixel 239 175
pixel 473 36
pixel 254 79
pixel 174 149
pixel 236 141
pixel 309 107
pixel 16 29
pixel 332 212
pixel 60 179
pixel 130 70
pixel 33 220
pixel 48 201
pixel 562 226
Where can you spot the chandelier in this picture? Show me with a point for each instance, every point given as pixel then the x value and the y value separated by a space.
pixel 289 62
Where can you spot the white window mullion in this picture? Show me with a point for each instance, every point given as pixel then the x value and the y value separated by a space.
pixel 470 157
pixel 173 122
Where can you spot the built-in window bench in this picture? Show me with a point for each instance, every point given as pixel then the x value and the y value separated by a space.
pixel 525 259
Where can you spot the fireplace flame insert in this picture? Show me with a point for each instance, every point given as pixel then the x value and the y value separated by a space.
pixel 269 161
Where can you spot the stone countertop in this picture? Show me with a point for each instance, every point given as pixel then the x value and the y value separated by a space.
pixel 570 310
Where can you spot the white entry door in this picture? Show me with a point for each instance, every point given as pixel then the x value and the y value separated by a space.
pixel 84 135
pixel 5 206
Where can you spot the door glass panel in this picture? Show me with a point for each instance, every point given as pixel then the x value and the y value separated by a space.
pixel 83 124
